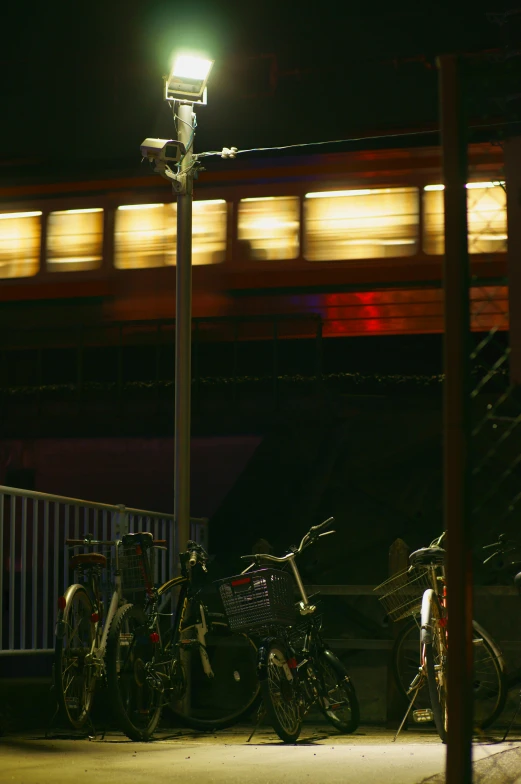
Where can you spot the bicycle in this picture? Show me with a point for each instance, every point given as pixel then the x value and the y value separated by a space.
pixel 150 661
pixel 82 628
pixel 419 593
pixel 295 668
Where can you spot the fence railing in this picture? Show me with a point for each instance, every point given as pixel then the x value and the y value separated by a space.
pixel 34 560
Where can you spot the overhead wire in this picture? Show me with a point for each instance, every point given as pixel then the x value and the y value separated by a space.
pixel 378 137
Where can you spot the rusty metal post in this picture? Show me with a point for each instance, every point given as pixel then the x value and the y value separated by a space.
pixel 396 705
pixel 512 150
pixel 457 423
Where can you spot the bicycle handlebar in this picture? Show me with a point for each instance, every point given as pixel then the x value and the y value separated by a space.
pixel 311 536
pixel 502 547
pixel 197 554
pixel 437 542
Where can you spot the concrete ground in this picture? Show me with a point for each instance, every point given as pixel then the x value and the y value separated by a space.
pixel 368 757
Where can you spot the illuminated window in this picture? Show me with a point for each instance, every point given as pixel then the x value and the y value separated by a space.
pixel 361 224
pixel 19 244
pixel 74 240
pixel 269 227
pixel 145 234
pixel 209 232
pixel 486 216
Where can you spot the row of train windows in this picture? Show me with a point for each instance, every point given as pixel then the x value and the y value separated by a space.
pixel 338 225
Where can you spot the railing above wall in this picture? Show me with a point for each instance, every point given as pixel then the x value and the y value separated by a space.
pixel 34 561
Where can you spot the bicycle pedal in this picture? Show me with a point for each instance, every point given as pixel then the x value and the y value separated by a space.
pixel 423 715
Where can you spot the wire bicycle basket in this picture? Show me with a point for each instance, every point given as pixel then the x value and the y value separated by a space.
pixel 261 598
pixel 136 563
pixel 401 595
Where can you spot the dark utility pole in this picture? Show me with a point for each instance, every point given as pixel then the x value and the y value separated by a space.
pixel 512 149
pixel 457 423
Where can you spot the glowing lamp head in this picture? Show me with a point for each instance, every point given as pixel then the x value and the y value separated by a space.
pixel 188 79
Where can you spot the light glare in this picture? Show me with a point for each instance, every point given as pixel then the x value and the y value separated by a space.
pixel 7 215
pixel 78 212
pixel 334 194
pixel 140 206
pixel 190 67
pixel 469 185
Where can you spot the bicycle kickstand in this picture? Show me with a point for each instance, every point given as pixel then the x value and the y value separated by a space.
pixel 260 715
pixel 50 723
pixel 503 739
pixel 406 714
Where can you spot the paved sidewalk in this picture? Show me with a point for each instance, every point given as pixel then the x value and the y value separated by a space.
pixel 492 767
pixel 367 757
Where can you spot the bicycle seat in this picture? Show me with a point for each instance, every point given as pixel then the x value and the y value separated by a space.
pixel 88 559
pixel 428 556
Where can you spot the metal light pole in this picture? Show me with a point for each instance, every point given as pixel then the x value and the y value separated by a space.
pixel 185 87
pixel 183 331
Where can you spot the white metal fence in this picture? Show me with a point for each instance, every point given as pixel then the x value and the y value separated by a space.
pixel 34 560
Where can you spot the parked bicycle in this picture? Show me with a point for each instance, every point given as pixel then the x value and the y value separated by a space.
pixel 195 664
pixel 82 628
pixel 419 655
pixel 296 670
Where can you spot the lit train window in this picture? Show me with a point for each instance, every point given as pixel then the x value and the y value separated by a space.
pixel 269 227
pixel 209 231
pixel 486 216
pixel 20 234
pixel 361 224
pixel 145 234
pixel 74 240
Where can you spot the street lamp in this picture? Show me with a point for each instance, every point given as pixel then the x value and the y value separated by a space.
pixel 185 87
pixel 188 79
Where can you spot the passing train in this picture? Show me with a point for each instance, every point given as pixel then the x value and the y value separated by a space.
pixel 355 238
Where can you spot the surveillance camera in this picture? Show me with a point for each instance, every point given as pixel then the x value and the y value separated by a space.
pixel 163 150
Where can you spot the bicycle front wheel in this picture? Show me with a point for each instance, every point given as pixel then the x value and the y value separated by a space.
pixel 434 646
pixel 229 691
pixel 74 676
pixel 280 691
pixel 337 696
pixel 136 683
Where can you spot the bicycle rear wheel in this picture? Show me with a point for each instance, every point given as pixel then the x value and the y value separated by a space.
pixel 490 689
pixel 280 691
pixel 337 696
pixel 135 681
pixel 74 677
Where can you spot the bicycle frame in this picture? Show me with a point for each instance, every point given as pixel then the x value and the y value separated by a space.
pixel 201 628
pixel 97 653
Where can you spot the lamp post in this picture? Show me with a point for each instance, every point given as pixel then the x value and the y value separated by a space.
pixel 185 87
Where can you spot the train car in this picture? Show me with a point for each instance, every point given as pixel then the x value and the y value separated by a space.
pixel 354 239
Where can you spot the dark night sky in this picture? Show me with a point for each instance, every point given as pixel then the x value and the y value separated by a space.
pixel 82 80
